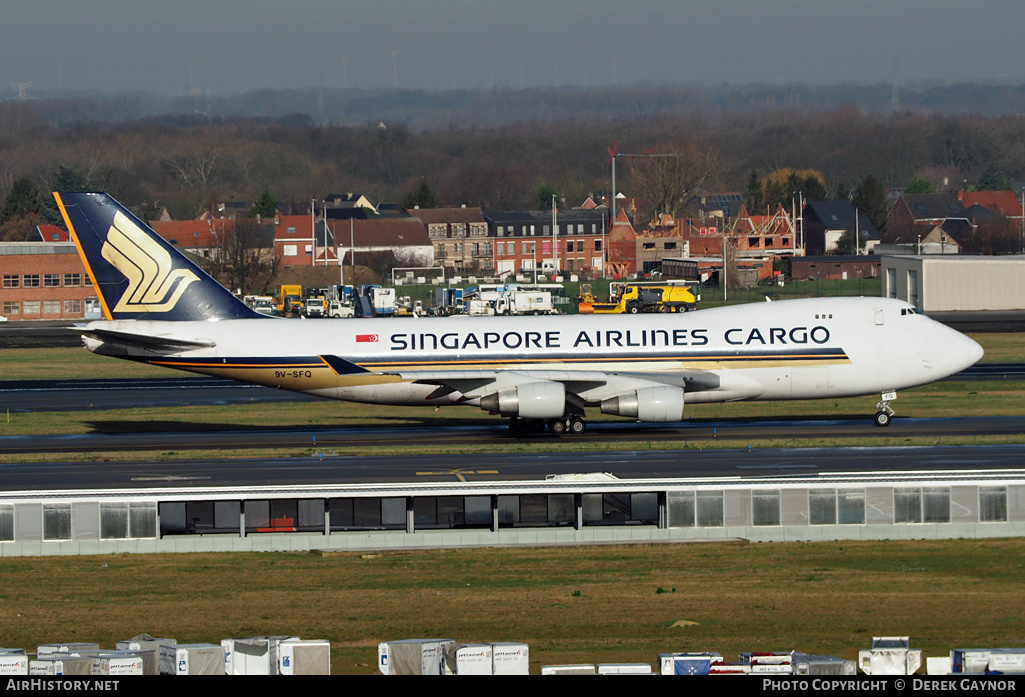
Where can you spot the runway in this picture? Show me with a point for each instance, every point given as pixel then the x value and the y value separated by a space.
pixel 354 440
pixel 334 468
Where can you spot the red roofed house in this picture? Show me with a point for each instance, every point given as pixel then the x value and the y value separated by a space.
pixel 194 236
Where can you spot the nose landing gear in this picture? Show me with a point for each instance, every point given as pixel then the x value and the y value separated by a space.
pixel 885 413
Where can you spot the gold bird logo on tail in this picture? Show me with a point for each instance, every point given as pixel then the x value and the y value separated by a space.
pixel 154 285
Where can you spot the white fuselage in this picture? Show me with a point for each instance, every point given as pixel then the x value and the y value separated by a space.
pixel 795 349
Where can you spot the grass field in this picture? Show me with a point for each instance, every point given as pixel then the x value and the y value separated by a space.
pixel 578 604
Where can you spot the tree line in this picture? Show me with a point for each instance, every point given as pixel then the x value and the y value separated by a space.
pixel 185 164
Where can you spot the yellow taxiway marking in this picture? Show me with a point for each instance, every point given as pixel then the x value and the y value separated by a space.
pixel 458 474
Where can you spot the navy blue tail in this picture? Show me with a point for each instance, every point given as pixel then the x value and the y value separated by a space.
pixel 136 273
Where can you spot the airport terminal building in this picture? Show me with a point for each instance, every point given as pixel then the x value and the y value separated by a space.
pixel 45 280
pixel 581 509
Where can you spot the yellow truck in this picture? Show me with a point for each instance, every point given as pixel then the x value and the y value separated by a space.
pixel 289 300
pixel 632 298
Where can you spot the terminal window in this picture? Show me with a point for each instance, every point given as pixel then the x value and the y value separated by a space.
pixel 921 505
pixel 992 504
pixel 833 507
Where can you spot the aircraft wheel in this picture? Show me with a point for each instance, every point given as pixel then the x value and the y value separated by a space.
pixel 882 419
pixel 557 426
pixel 577 426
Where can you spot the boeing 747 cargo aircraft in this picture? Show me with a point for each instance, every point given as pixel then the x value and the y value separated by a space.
pixel 162 309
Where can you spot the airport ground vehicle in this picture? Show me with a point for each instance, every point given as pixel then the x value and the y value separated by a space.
pixel 523 302
pixel 315 306
pixel 380 302
pixel 289 300
pixel 264 304
pixel 632 298
pixel 448 301
pixel 337 309
pixel 162 309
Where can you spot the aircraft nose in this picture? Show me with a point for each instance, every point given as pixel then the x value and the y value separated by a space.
pixel 973 350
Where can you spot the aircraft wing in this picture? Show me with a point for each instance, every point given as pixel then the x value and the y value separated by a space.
pixel 480 382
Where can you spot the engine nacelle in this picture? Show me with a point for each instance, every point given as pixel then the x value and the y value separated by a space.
pixel 533 400
pixel 662 404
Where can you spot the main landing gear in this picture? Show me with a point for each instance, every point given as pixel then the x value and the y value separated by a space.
pixel 885 413
pixel 570 424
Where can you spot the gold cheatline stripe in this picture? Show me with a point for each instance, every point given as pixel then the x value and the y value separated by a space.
pixel 81 254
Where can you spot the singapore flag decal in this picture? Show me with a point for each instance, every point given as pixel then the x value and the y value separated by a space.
pixel 366 338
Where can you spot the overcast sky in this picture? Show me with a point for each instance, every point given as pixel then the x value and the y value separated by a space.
pixel 230 46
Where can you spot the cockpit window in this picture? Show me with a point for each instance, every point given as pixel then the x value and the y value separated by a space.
pixel 910 311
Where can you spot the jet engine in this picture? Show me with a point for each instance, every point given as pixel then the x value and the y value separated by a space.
pixel 662 403
pixel 532 400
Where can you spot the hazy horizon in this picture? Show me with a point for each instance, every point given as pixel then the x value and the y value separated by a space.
pixel 237 46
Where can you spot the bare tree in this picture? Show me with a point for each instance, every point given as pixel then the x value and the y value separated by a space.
pixel 668 182
pixel 243 261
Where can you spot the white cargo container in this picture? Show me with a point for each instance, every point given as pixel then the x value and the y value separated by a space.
pixel 255 655
pixel 13 662
pixel 304 657
pixel 149 648
pixel 510 658
pixel 1007 661
pixel 807 664
pixel 61 664
pixel 117 663
pixel 413 656
pixel 970 660
pixel 624 669
pixel 988 660
pixel 768 663
pixel 469 659
pixel 575 669
pixel 939 665
pixel 192 659
pixel 45 650
pixel 890 655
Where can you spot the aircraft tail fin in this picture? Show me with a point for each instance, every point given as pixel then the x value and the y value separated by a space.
pixel 136 273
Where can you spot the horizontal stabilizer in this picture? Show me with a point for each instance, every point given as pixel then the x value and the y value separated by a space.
pixel 146 341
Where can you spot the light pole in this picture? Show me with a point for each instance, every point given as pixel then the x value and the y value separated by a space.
pixel 555 238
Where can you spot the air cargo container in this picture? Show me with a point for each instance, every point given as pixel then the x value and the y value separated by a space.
pixel 413 656
pixel 890 655
pixel 510 658
pixel 13 662
pixel 61 664
pixel 304 657
pixel 576 669
pixel 688 663
pixel 149 648
pixel 45 650
pixel 117 663
pixel 255 655
pixel 624 669
pixel 192 659
pixel 806 664
pixel 988 660
pixel 469 659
